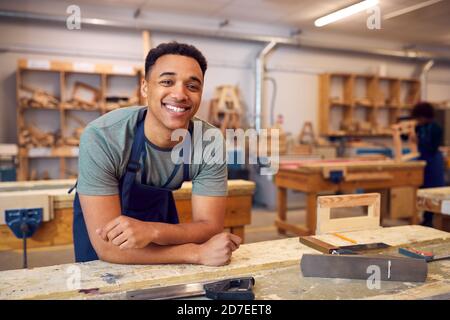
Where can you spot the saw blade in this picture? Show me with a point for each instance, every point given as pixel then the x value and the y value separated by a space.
pixel 171 292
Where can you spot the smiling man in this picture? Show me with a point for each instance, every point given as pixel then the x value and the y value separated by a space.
pixel 124 210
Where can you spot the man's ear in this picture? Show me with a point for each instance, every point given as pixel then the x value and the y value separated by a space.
pixel 144 89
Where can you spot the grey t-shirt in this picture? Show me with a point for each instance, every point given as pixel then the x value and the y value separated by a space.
pixel 105 149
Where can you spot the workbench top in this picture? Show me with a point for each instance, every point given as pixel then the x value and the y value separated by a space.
pixel 438 194
pixel 435 200
pixel 274 264
pixel 351 164
pixel 57 190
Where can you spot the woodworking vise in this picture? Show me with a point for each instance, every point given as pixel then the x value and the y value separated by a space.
pixel 24 223
pixel 335 174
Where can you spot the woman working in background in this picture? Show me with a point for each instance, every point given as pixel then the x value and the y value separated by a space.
pixel 429 138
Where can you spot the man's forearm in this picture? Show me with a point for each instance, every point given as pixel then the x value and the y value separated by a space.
pixel 193 232
pixel 152 254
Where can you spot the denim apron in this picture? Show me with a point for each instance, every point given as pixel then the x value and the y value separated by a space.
pixel 434 172
pixel 138 200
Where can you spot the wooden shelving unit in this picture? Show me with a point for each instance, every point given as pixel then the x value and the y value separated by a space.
pixel 361 101
pixel 64 93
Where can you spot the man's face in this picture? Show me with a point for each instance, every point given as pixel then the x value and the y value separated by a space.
pixel 174 90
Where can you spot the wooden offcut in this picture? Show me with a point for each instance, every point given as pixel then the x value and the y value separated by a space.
pixel 307 135
pixel 36 98
pixel 317 244
pixel 32 136
pixel 225 110
pixel 80 88
pixel 405 128
pixel 325 224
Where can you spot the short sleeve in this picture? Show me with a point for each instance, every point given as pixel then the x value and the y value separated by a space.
pixel 96 165
pixel 211 179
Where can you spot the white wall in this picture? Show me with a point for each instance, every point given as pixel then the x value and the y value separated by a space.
pixel 230 62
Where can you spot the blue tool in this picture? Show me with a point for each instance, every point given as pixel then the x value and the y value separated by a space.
pixel 413 253
pixel 336 176
pixel 24 223
pixel 417 254
pixel 231 289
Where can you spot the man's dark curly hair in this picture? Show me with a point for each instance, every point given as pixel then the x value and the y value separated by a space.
pixel 423 110
pixel 181 49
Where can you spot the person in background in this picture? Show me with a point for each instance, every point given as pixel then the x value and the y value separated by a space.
pixel 429 138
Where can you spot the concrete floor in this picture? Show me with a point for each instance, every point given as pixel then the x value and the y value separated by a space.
pixel 261 229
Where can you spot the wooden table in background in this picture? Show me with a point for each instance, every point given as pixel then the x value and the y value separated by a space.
pixel 436 200
pixel 308 177
pixel 58 231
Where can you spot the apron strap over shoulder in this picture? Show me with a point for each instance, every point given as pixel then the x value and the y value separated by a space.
pixel 136 149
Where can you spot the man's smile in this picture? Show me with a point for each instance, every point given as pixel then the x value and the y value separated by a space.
pixel 177 108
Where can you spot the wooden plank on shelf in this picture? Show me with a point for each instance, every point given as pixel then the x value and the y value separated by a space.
pixel 66 151
pixel 80 66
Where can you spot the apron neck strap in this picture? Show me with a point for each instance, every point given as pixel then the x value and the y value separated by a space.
pixel 138 143
pixel 138 149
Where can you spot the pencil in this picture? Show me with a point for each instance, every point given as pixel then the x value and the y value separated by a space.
pixel 345 238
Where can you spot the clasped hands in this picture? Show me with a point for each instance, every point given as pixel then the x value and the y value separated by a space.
pixel 129 233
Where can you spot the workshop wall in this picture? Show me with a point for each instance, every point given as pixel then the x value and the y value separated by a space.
pixel 230 62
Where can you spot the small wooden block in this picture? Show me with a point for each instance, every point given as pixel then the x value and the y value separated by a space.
pixel 327 225
pixel 80 90
pixel 317 244
pixel 405 128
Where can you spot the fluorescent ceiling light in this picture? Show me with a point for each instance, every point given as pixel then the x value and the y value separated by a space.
pixel 344 13
pixel 410 9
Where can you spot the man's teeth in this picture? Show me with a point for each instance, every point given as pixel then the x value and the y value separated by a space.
pixel 175 109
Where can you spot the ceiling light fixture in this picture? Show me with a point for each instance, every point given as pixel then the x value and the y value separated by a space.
pixel 345 12
pixel 410 9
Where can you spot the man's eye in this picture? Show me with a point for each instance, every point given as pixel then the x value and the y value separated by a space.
pixel 166 82
pixel 193 87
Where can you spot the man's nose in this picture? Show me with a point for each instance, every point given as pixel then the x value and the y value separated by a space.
pixel 179 92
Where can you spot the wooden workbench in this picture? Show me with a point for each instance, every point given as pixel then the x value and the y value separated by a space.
pixel 309 177
pixel 436 200
pixel 58 231
pixel 274 264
